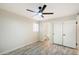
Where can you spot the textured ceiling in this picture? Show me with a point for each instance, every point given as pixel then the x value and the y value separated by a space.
pixel 59 9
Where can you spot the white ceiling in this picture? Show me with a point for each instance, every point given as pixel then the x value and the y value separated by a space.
pixel 59 9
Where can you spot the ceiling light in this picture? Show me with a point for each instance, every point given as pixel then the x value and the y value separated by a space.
pixel 39 14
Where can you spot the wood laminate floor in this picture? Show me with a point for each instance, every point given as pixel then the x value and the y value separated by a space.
pixel 43 48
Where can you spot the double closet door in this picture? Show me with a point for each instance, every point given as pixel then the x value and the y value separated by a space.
pixel 65 33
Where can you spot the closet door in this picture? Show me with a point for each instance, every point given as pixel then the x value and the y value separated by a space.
pixel 69 34
pixel 58 33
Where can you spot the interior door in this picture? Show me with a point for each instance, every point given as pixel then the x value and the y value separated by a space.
pixel 69 34
pixel 58 33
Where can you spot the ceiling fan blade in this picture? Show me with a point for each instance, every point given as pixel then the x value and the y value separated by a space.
pixel 43 8
pixel 48 13
pixel 29 10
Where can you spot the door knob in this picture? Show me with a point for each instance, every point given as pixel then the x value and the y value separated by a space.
pixel 64 34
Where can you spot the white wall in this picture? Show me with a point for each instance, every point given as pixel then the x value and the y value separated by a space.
pixel 15 31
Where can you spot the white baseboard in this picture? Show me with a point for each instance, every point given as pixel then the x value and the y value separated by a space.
pixel 16 48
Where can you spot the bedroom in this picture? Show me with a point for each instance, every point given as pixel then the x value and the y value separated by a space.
pixel 39 28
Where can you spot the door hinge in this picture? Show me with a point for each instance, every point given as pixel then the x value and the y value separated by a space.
pixel 76 22
pixel 76 44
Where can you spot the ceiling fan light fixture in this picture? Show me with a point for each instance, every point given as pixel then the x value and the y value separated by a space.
pixel 39 14
pixel 40 11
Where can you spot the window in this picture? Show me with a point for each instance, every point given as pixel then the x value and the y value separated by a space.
pixel 35 27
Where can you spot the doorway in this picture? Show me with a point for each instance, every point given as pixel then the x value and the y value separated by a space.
pixel 65 33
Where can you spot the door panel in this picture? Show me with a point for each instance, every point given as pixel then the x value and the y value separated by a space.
pixel 58 33
pixel 69 34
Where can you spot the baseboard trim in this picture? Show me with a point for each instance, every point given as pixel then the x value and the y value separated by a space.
pixel 2 53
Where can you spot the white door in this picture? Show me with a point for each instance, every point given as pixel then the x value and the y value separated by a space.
pixel 58 33
pixel 69 34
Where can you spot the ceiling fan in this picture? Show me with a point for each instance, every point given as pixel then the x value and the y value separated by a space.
pixel 41 11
